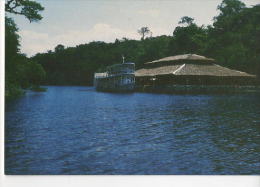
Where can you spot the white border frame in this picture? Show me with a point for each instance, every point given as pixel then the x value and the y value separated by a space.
pixel 104 181
pixel 2 85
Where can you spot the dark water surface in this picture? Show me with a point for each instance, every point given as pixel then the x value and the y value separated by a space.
pixel 75 130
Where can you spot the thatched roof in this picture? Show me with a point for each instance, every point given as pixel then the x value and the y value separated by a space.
pixel 208 69
pixel 156 71
pixel 176 58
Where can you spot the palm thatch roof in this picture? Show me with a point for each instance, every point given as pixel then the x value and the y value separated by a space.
pixel 156 71
pixel 192 57
pixel 196 69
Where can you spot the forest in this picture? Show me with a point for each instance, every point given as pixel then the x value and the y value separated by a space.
pixel 233 40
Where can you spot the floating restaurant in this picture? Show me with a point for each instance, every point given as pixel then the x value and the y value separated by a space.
pixel 189 69
pixel 181 73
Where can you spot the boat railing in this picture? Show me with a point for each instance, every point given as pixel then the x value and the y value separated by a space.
pixel 101 75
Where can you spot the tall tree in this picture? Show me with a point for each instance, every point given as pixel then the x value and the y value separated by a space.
pixel 143 31
pixel 235 35
pixel 20 72
pixel 29 9
pixel 186 20
pixel 188 38
pixel 59 48
pixel 229 9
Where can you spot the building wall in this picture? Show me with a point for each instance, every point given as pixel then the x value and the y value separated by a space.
pixel 196 80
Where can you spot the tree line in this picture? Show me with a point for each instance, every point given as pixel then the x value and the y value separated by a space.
pixel 233 40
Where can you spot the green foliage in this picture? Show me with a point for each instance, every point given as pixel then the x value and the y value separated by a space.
pixel 234 39
pixel 38 89
pixel 186 20
pixel 12 91
pixel 11 50
pixel 188 39
pixel 59 48
pixel 11 37
pixel 20 71
pixel 229 8
pixel 35 73
pixel 27 8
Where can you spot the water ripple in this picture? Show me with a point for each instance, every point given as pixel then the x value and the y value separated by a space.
pixel 75 130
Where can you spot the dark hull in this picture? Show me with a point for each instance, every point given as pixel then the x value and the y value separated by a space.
pixel 114 88
pixel 197 89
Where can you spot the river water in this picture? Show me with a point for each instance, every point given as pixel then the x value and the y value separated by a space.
pixel 76 130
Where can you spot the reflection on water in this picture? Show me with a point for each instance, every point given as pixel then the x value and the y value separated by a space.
pixel 75 130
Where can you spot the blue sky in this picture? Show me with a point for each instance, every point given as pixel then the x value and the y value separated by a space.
pixel 73 22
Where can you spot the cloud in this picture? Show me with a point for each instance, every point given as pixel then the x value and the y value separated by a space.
pixel 108 33
pixel 34 42
pixel 160 31
pixel 150 12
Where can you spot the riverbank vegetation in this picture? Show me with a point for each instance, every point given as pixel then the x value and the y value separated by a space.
pixel 233 40
pixel 21 72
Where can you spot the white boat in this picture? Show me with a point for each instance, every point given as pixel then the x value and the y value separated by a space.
pixel 117 78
